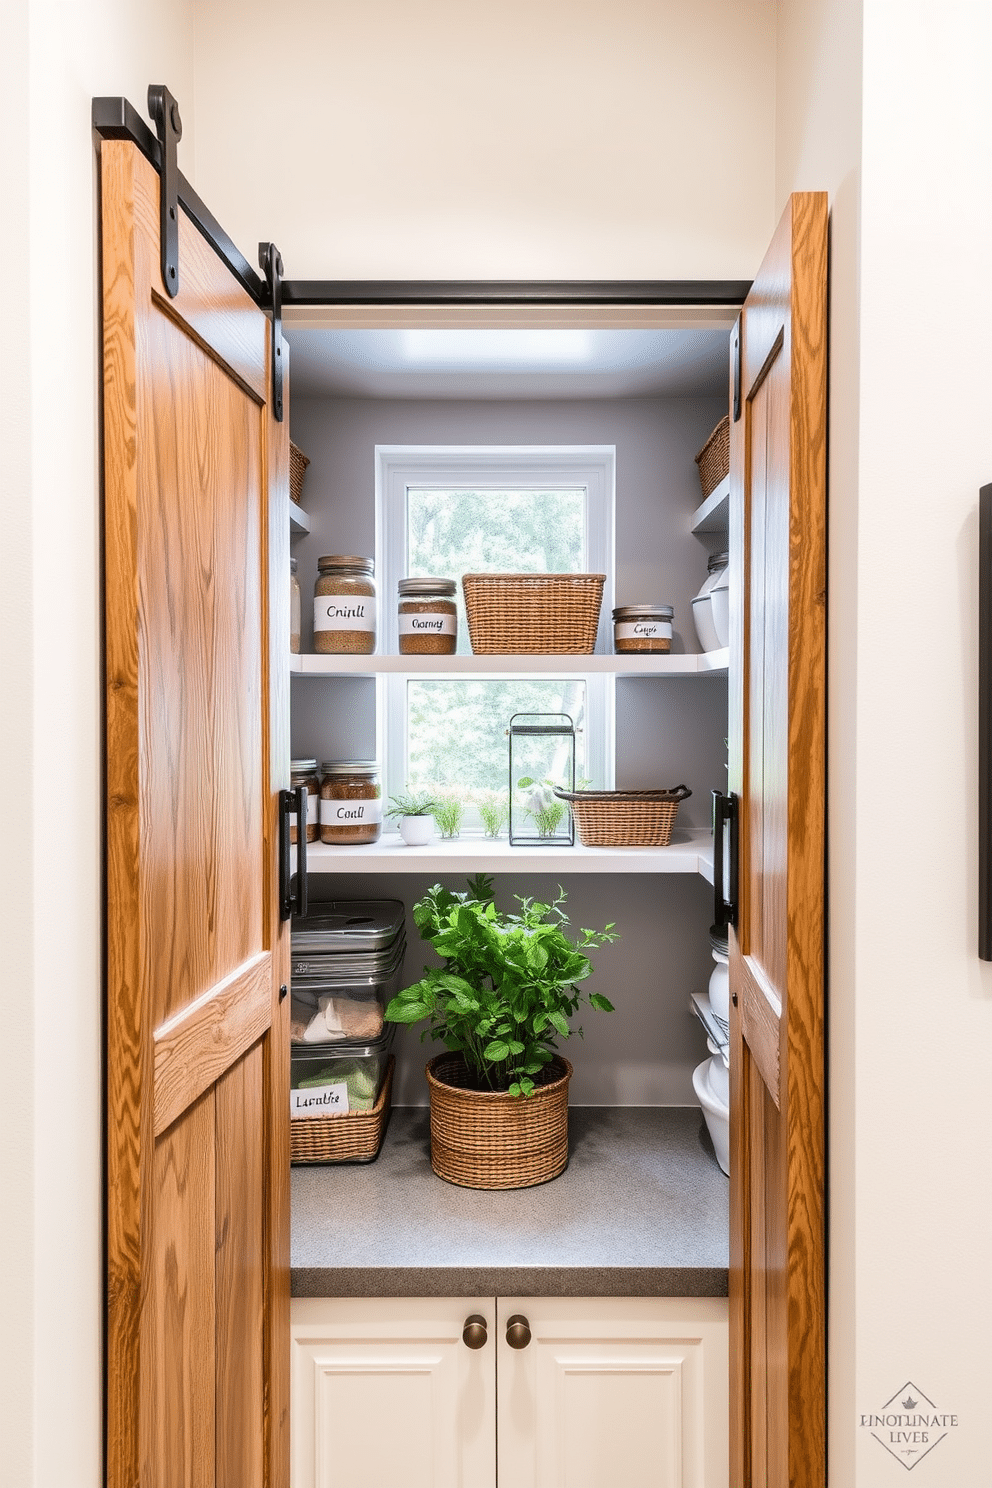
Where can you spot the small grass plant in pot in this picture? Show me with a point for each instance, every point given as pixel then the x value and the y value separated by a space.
pixel 506 993
pixel 413 813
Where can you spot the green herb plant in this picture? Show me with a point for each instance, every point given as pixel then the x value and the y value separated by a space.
pixel 494 809
pixel 412 802
pixel 540 802
pixel 449 808
pixel 507 989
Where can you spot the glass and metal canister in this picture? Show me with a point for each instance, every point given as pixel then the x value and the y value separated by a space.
pixel 428 619
pixel 350 802
pixel 344 606
pixel 642 627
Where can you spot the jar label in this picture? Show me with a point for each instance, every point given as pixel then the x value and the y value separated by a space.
pixel 313 808
pixel 426 623
pixel 642 630
pixel 344 612
pixel 318 1100
pixel 349 813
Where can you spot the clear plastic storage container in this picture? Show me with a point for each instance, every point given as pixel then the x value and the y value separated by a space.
pixel 342 1080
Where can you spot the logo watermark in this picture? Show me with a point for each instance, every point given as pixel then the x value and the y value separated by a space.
pixel 909 1425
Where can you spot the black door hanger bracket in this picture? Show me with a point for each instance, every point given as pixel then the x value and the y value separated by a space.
pixel 270 262
pixel 169 126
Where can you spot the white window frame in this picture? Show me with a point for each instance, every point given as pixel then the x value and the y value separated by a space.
pixel 495 467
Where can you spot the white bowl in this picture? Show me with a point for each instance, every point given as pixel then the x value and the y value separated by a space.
pixel 702 618
pixel 719 1075
pixel 717 1116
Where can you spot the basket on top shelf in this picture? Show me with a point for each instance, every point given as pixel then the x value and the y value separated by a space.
pixel 298 463
pixel 714 457
pixel 533 614
pixel 640 818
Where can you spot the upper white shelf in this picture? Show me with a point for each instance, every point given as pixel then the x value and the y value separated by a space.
pixel 714 514
pixel 298 520
pixel 707 663
pixel 691 851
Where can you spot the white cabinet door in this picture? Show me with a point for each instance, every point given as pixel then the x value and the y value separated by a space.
pixel 387 1395
pixel 611 1390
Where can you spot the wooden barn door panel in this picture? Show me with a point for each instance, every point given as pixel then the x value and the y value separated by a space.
pixel 777 730
pixel 196 475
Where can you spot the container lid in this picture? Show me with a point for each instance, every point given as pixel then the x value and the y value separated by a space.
pixel 352 924
pixel 294 564
pixel 303 767
pixel 427 586
pixel 717 560
pixel 644 612
pixel 335 562
pixel 312 962
pixel 349 767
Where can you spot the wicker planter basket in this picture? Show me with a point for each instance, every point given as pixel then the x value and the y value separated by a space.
pixel 298 463
pixel 714 458
pixel 625 818
pixel 482 1139
pixel 533 614
pixel 355 1137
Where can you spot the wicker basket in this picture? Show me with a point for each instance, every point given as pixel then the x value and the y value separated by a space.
pixel 298 463
pixel 714 457
pixel 486 1139
pixel 533 614
pixel 355 1137
pixel 625 818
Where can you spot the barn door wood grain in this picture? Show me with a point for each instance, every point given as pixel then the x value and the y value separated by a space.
pixel 197 635
pixel 777 731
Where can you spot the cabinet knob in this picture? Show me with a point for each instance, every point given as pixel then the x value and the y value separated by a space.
pixel 475 1334
pixel 518 1331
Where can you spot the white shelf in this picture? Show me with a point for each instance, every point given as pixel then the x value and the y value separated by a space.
pixel 691 851
pixel 299 522
pixel 707 663
pixel 714 514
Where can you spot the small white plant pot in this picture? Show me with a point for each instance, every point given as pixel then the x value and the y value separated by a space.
pixel 416 831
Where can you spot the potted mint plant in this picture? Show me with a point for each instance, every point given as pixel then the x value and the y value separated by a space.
pixel 505 995
pixel 413 812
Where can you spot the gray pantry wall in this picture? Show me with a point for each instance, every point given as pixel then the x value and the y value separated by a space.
pixel 668 730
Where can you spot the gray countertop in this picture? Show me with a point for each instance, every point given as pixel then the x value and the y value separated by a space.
pixel 641 1210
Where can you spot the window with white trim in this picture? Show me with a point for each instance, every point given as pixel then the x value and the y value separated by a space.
pixel 446 511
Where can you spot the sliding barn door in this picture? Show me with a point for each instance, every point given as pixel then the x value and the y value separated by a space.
pixel 778 554
pixel 197 635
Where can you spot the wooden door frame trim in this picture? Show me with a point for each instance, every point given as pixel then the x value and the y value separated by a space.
pixel 116 118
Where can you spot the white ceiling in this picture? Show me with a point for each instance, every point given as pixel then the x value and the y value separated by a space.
pixel 506 363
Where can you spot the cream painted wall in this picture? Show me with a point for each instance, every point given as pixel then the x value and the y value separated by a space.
pixel 521 139
pixel 55 57
pixel 881 104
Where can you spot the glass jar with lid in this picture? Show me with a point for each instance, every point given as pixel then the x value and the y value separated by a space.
pixel 642 627
pixel 350 802
pixel 304 772
pixel 295 609
pixel 428 619
pixel 344 606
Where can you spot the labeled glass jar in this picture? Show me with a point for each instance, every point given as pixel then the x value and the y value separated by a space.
pixel 304 772
pixel 642 627
pixel 428 619
pixel 295 610
pixel 350 802
pixel 344 606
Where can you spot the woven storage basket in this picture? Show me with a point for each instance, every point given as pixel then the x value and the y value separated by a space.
pixel 486 1139
pixel 355 1137
pixel 625 818
pixel 714 457
pixel 298 463
pixel 533 614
